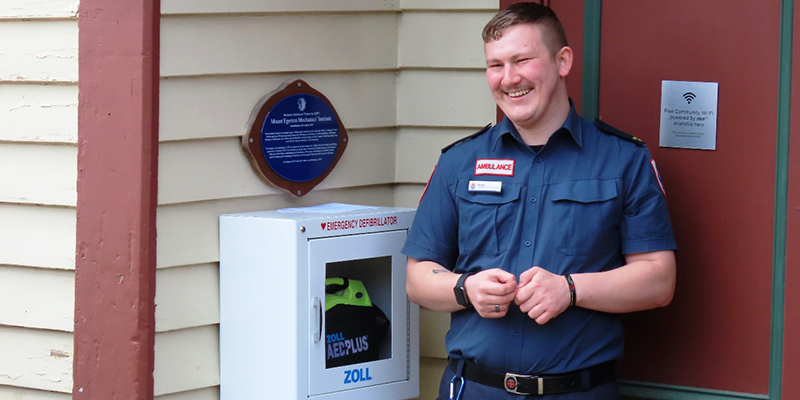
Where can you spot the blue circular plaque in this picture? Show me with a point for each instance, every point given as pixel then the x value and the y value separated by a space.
pixel 300 137
pixel 295 137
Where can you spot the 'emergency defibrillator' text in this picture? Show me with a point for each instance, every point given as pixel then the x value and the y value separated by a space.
pixel 359 223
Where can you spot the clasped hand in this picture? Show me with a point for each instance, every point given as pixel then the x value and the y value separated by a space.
pixel 539 293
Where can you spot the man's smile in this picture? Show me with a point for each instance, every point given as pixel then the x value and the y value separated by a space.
pixel 519 93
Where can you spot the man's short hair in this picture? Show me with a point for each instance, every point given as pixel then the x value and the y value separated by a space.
pixel 528 13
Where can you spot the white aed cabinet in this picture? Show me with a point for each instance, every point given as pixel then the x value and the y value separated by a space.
pixel 273 338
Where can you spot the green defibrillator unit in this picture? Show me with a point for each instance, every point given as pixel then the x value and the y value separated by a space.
pixel 354 327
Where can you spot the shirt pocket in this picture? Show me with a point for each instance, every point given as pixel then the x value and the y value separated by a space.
pixel 486 219
pixel 588 214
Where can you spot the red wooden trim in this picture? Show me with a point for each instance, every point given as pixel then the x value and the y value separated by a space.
pixel 791 338
pixel 117 187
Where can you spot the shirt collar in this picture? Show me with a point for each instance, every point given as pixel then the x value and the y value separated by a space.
pixel 571 125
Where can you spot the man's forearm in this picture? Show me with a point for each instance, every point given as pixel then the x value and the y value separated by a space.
pixel 647 281
pixel 431 286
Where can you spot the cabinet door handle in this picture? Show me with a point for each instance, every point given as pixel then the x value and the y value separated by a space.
pixel 318 320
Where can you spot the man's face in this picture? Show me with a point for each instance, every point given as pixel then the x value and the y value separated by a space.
pixel 524 76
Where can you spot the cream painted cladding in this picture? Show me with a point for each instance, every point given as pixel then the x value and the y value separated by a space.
pixel 406 77
pixel 442 96
pixel 38 160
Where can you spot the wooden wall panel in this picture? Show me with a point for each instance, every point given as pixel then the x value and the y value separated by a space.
pixel 37 359
pixel 169 7
pixel 25 9
pixel 210 393
pixel 41 298
pixel 716 334
pixel 16 393
pixel 188 173
pixel 280 43
pixel 436 327
pixel 442 40
pixel 408 195
pixel 449 5
pixel 444 99
pixel 37 236
pixel 42 113
pixel 180 306
pixel 275 6
pixel 38 174
pixel 188 233
pixel 213 74
pixel 418 150
pixel 180 365
pixel 220 106
pixel 49 52
pixel 38 129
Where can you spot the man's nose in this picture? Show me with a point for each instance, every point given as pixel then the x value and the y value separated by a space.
pixel 510 76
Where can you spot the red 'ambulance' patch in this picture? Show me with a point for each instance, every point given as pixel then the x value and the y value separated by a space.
pixel 490 166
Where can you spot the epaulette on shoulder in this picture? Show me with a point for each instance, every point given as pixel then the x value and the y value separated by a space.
pixel 464 139
pixel 616 132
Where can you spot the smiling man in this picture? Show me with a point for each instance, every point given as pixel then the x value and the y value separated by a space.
pixel 538 232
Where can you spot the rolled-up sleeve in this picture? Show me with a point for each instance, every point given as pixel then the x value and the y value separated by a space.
pixel 645 225
pixel 434 233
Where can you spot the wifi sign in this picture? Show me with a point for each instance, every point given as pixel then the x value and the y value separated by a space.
pixel 689 96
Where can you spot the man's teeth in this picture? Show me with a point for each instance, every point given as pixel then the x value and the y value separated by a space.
pixel 519 93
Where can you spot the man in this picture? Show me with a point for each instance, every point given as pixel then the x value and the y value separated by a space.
pixel 536 233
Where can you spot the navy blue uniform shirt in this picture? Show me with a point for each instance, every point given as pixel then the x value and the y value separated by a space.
pixel 580 204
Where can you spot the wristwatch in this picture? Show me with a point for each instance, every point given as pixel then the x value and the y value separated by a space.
pixel 461 293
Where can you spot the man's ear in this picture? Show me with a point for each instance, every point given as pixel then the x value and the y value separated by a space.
pixel 564 60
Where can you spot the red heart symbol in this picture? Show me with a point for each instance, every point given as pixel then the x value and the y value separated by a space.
pixel 323 226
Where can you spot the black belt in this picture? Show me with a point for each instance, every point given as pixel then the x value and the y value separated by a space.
pixel 529 385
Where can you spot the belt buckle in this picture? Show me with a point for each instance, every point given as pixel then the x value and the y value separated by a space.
pixel 512 384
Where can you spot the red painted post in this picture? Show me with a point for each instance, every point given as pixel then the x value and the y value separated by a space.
pixel 116 209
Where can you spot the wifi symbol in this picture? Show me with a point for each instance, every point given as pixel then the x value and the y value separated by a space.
pixel 689 96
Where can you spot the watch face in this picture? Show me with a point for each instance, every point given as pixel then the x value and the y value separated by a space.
pixel 460 291
pixel 461 296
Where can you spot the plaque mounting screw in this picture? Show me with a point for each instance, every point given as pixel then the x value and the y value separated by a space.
pixel 299 84
pixel 251 140
pixel 302 229
pixel 299 192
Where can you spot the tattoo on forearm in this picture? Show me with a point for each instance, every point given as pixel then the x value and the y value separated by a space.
pixel 439 271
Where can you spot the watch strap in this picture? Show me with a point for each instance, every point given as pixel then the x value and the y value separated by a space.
pixel 461 292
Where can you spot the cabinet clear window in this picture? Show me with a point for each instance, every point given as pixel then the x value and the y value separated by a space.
pixel 358 307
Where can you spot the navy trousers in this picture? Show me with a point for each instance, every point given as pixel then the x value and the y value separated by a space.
pixel 476 391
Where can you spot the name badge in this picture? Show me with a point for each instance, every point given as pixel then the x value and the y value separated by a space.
pixel 486 186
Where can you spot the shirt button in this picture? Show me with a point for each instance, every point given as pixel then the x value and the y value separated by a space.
pixel 533 199
pixel 515 332
pixel 527 243
pixel 539 159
